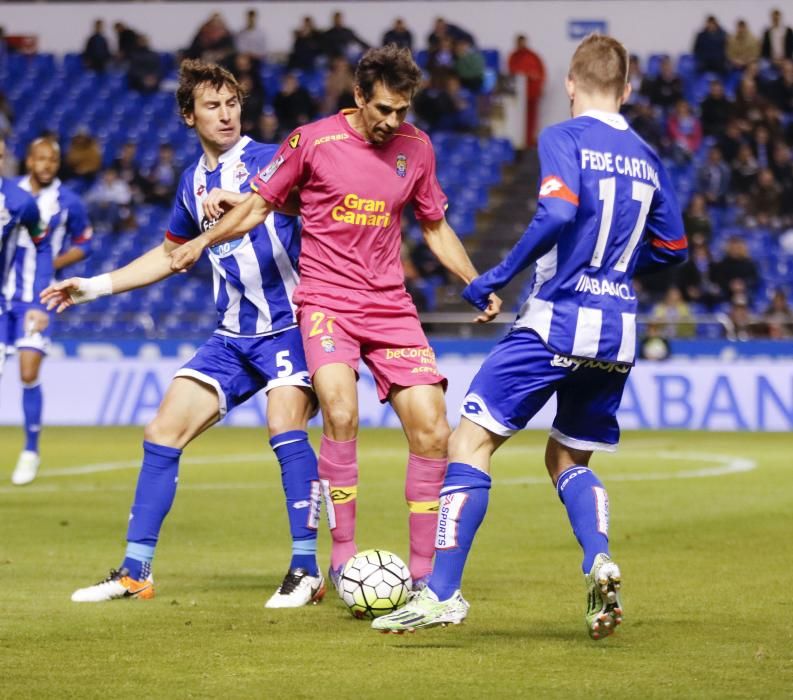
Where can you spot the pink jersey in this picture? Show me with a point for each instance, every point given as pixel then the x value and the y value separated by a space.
pixel 352 194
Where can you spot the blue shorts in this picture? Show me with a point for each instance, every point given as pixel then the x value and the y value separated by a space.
pixel 239 367
pixel 519 376
pixel 14 335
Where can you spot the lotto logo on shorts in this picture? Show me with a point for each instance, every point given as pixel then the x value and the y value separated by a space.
pixel 448 518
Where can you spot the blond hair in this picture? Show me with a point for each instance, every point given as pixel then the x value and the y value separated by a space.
pixel 600 65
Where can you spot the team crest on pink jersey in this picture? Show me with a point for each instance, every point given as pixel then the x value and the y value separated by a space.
pixel 401 165
pixel 328 344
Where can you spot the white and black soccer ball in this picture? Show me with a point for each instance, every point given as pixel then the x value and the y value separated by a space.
pixel 374 583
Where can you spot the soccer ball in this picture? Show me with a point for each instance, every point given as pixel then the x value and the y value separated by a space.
pixel 374 583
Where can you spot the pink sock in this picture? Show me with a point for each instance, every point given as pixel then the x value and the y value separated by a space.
pixel 338 469
pixel 422 491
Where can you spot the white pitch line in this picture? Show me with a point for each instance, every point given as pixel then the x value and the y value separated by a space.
pixel 724 465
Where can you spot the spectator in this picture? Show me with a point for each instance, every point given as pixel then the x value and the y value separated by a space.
pixel 307 46
pixel 666 89
pixel 251 40
pixel 469 64
pixel 464 117
pixel 710 48
pixel 694 276
pixel 730 140
pixel 6 117
pixel 128 170
pixel 684 132
pixel 714 111
pixel 399 34
pixel 743 170
pixel 636 80
pixel 736 273
pixel 653 346
pixel 163 177
pixel 127 40
pixel 761 142
pixel 97 54
pixel 743 47
pixel 82 161
pixel 778 316
pixel 674 315
pixel 246 69
pixel 777 40
pixel 781 90
pixel 433 105
pixel 765 200
pixel 696 218
pixel 440 58
pixel 267 129
pixel 340 40
pixel 713 178
pixel 213 42
pixel 145 68
pixel 748 106
pixel 442 29
pixel 524 61
pixel 645 123
pixel 339 86
pixel 744 324
pixel 108 200
pixel 782 167
pixel 293 104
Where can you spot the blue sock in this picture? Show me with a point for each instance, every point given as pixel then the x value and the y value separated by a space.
pixel 153 498
pixel 31 408
pixel 463 505
pixel 587 506
pixel 300 479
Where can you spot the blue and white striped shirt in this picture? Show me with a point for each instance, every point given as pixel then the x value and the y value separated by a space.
pixel 20 219
pixel 66 221
pixel 255 276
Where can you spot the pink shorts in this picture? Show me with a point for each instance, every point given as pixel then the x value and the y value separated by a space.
pixel 382 328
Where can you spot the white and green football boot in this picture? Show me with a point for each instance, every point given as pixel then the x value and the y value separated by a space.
pixel 423 611
pixel 603 608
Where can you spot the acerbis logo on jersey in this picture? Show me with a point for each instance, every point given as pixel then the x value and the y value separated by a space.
pixel 553 186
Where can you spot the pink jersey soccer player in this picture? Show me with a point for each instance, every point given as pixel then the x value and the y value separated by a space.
pixel 355 172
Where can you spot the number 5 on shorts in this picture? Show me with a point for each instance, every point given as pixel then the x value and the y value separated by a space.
pixel 283 363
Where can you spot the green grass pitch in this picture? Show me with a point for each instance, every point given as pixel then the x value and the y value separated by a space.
pixel 702 527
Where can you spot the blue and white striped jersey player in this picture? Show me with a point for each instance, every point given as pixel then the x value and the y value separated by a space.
pixel 606 211
pixel 256 345
pixel 20 220
pixel 69 232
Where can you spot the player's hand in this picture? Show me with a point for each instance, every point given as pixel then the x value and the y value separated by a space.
pixel 186 255
pixel 36 321
pixel 477 294
pixel 75 290
pixel 218 202
pixel 492 310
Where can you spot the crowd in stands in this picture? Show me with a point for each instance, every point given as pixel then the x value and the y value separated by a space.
pixel 721 117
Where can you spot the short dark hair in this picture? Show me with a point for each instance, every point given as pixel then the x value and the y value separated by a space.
pixel 600 64
pixel 193 73
pixel 390 65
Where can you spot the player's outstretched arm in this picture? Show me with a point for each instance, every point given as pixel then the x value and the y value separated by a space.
pixel 150 267
pixel 446 246
pixel 246 215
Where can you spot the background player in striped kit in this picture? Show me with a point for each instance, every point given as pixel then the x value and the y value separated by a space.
pixel 69 232
pixel 256 345
pixel 20 220
pixel 355 172
pixel 602 187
